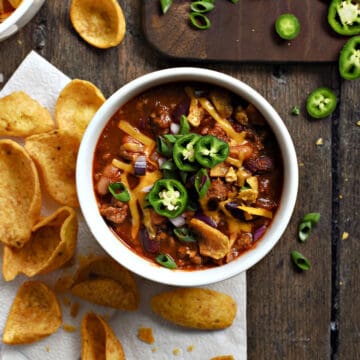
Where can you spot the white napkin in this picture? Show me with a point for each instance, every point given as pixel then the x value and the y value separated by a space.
pixel 43 81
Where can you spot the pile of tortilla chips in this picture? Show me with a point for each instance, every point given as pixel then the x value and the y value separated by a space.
pixel 35 244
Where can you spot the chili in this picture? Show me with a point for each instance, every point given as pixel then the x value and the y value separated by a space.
pixel 321 103
pixel 349 59
pixel 210 151
pixel 344 16
pixel 168 197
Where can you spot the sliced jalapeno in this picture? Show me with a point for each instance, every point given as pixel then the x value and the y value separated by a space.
pixel 184 234
pixel 168 197
pixel 287 26
pixel 349 59
pixel 184 152
pixel 210 151
pixel 166 260
pixel 119 191
pixel 202 182
pixel 321 103
pixel 344 16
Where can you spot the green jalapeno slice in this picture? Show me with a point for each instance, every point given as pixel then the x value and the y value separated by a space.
pixel 321 103
pixel 344 16
pixel 349 59
pixel 287 26
pixel 168 197
pixel 184 152
pixel 210 151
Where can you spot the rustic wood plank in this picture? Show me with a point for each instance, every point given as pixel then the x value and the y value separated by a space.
pixel 243 32
pixel 348 157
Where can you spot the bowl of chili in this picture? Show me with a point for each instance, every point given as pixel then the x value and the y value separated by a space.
pixel 187 176
pixel 16 14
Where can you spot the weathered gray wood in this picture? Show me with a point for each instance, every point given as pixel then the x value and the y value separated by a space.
pixel 289 312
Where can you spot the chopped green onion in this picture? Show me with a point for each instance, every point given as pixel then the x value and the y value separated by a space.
pixel 171 138
pixel 166 260
pixel 119 191
pixel 202 182
pixel 184 234
pixel 295 111
pixel 306 225
pixel 165 5
pixel 168 165
pixel 184 125
pixel 201 6
pixel 304 230
pixel 164 146
pixel 200 21
pixel 300 260
pixel 312 217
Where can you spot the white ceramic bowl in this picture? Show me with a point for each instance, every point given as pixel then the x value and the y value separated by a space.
pixel 121 253
pixel 21 16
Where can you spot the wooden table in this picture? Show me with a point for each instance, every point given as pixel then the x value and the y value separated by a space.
pixel 291 315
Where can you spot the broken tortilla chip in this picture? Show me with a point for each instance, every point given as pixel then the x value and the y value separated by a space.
pixel 20 115
pixel 98 340
pixel 55 155
pixel 20 195
pixel 34 314
pixel 100 23
pixel 105 282
pixel 52 244
pixel 76 106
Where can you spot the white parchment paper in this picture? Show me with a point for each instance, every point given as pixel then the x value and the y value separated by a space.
pixel 43 82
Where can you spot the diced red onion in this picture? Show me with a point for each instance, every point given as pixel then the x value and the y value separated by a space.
pixel 146 189
pixel 232 207
pixel 140 165
pixel 178 221
pixel 161 160
pixel 150 245
pixel 259 232
pixel 174 128
pixel 206 219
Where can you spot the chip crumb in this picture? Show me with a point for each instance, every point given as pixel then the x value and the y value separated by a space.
pixel 19 42
pixel 74 310
pixel 66 301
pixel 345 235
pixel 319 142
pixel 1 78
pixel 69 328
pixel 223 357
pixel 154 349
pixel 47 348
pixel 358 123
pixel 146 335
pixel 176 351
pixel 301 164
pixel 190 348
pixel 340 196
pixel 63 284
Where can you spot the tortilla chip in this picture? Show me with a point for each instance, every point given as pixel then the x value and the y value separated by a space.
pixel 15 3
pixel 98 340
pixel 105 282
pixel 76 106
pixel 20 195
pixel 52 244
pixel 100 23
pixel 34 314
pixel 20 115
pixel 55 155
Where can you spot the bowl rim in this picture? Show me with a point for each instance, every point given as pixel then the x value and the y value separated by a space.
pixel 16 15
pixel 127 257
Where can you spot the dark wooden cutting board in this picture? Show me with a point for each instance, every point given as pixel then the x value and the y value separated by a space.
pixel 243 32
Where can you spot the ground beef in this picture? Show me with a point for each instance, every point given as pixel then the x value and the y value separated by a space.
pixel 115 212
pixel 218 191
pixel 160 120
pixel 259 165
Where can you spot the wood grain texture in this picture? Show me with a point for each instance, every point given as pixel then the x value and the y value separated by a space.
pixel 348 307
pixel 289 313
pixel 243 32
